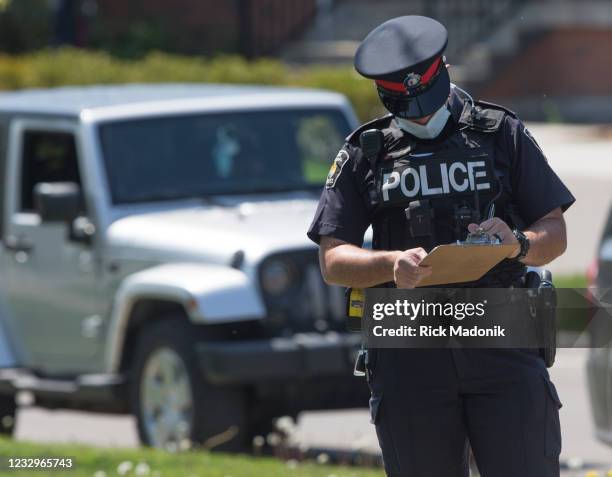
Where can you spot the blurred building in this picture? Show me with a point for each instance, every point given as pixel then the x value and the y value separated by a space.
pixel 134 27
pixel 548 59
pixel 551 60
pixel 248 27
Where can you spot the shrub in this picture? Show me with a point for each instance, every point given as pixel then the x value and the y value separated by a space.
pixel 69 66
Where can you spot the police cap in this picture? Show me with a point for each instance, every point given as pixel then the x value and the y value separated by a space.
pixel 404 58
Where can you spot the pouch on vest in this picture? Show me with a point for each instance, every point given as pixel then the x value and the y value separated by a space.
pixel 420 215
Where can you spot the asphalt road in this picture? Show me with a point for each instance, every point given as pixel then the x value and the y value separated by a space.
pixel 581 156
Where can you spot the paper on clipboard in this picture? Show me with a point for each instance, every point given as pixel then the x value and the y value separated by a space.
pixel 457 263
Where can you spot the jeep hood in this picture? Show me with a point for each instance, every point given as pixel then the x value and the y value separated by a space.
pixel 213 233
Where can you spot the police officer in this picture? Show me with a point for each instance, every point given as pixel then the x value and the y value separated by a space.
pixel 446 165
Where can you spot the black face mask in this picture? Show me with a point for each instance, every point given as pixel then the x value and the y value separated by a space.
pixel 419 102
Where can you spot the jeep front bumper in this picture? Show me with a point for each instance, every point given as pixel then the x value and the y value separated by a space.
pixel 301 356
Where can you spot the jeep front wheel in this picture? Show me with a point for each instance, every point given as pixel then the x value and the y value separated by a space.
pixel 173 405
pixel 8 411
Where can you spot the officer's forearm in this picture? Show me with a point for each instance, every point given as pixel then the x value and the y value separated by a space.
pixel 547 239
pixel 351 266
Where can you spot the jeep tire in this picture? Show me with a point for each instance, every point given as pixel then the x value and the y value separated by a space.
pixel 8 412
pixel 164 376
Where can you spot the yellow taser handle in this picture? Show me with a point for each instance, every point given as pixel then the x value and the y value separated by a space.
pixel 355 303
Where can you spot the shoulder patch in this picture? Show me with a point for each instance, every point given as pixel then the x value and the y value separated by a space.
pixel 336 168
pixel 378 123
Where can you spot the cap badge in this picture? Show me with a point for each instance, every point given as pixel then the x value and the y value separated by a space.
pixel 412 80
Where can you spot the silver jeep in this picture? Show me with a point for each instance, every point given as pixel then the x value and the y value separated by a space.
pixel 155 259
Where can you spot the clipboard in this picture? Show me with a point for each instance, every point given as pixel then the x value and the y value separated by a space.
pixel 458 263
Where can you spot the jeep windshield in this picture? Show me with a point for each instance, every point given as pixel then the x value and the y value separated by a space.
pixel 199 155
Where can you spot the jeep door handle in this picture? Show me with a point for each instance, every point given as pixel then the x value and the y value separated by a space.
pixel 18 244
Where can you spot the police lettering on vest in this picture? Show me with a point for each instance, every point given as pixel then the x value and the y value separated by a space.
pixel 422 176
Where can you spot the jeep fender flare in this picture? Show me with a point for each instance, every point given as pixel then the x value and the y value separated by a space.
pixel 210 294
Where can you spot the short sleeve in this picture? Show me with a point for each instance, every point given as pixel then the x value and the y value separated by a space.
pixel 342 212
pixel 536 187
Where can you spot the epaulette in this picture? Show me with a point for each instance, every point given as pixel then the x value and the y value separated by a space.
pixel 378 123
pixel 484 116
pixel 489 105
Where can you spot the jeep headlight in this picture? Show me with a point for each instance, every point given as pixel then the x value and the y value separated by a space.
pixel 277 276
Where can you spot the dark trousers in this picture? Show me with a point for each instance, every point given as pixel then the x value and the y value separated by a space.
pixel 430 405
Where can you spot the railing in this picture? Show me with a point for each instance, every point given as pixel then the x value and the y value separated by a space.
pixel 469 21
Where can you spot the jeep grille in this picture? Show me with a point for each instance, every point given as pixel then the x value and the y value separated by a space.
pixel 296 297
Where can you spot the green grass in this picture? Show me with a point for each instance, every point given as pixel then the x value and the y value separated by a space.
pixel 569 319
pixel 570 281
pixel 96 462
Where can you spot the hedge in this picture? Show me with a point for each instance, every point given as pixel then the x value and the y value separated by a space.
pixel 69 66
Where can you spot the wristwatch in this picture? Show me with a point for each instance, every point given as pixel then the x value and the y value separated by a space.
pixel 523 242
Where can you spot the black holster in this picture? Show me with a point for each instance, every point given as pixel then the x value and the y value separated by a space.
pixel 543 309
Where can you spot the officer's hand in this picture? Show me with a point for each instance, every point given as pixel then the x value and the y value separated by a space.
pixel 406 271
pixel 497 226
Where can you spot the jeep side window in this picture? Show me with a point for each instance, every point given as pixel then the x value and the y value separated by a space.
pixel 46 157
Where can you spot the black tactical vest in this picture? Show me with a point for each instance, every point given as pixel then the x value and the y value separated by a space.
pixel 425 193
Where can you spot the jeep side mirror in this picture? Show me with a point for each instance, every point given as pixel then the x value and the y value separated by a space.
pixel 57 201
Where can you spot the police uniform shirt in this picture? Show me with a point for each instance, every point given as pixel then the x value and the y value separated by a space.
pixel 345 210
